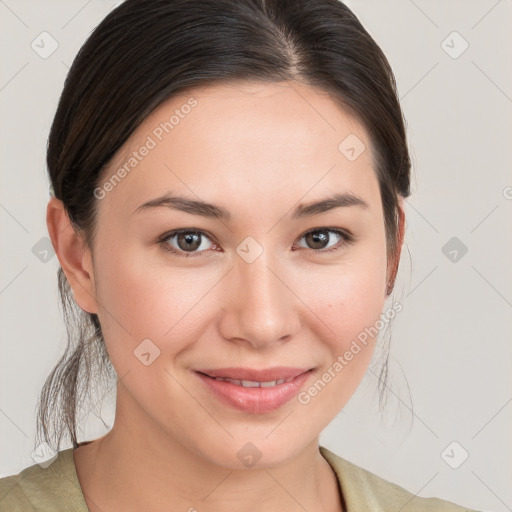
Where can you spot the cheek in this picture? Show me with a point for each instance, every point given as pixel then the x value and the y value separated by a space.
pixel 348 296
pixel 349 302
pixel 172 305
pixel 143 301
pixel 351 312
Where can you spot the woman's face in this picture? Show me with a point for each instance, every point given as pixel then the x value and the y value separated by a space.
pixel 260 279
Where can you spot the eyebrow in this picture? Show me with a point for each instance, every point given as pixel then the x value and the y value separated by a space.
pixel 204 209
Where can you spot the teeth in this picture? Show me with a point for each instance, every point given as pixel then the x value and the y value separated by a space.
pixel 253 383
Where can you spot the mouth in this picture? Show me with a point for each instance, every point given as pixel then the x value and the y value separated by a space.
pixel 254 391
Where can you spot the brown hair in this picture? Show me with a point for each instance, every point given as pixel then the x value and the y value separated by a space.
pixel 145 51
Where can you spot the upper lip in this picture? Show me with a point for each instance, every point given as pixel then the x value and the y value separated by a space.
pixel 264 375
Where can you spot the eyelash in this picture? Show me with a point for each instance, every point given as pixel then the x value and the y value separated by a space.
pixel 346 239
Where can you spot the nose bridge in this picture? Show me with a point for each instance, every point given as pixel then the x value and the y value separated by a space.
pixel 260 308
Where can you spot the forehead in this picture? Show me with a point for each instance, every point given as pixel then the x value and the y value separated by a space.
pixel 245 140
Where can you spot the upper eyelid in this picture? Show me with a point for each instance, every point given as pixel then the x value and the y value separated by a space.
pixel 175 232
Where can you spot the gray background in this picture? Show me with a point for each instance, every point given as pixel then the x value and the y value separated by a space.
pixel 451 379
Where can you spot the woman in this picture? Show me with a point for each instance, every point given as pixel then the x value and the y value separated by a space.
pixel 228 183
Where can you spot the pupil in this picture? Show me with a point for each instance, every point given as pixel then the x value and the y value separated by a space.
pixel 319 238
pixel 189 239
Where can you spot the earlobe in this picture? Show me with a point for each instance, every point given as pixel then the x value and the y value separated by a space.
pixel 73 254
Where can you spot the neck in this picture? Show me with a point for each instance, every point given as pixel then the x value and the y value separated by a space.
pixel 132 471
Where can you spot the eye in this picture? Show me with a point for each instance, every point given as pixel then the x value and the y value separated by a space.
pixel 192 241
pixel 183 241
pixel 321 239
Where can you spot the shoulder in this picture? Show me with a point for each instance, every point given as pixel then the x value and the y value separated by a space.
pixel 362 489
pixel 53 488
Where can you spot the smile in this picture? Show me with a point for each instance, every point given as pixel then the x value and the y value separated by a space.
pixel 254 391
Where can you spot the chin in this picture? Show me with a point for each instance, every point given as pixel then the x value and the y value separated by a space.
pixel 253 452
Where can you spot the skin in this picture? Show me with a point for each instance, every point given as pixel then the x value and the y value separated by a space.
pixel 257 150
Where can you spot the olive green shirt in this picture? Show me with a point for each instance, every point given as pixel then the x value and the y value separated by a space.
pixel 57 489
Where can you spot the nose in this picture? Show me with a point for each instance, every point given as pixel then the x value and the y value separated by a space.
pixel 259 306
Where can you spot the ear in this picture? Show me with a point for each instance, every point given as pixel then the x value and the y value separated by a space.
pixel 393 267
pixel 74 256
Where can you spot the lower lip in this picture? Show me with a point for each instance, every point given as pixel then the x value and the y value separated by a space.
pixel 255 400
